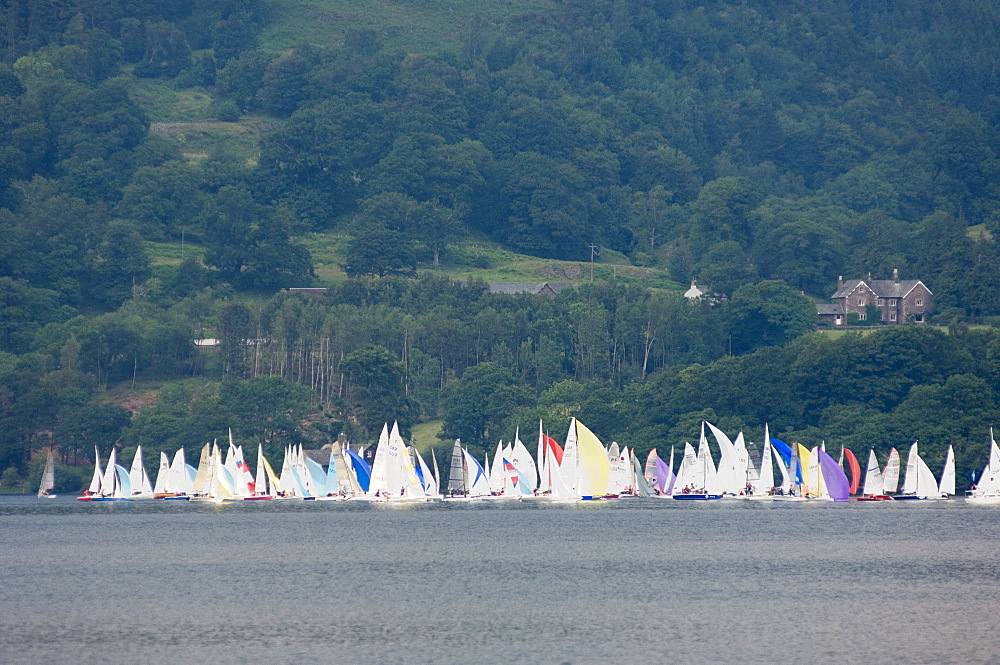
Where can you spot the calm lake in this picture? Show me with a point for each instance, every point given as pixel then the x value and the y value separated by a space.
pixel 629 581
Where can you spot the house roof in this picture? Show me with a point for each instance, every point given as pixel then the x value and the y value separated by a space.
pixel 694 291
pixel 827 309
pixel 525 287
pixel 882 288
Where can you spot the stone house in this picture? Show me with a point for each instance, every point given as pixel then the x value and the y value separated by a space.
pixel 899 301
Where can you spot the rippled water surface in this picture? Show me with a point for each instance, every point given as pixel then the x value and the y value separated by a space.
pixel 632 581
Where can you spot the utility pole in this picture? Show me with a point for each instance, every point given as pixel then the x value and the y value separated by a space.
pixel 593 249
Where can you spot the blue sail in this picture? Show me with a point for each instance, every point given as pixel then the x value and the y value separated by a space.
pixel 300 488
pixel 783 450
pixel 124 481
pixel 318 477
pixel 480 472
pixel 361 470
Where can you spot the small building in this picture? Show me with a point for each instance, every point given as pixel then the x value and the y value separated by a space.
pixel 548 289
pixel 694 292
pixel 898 301
pixel 308 290
pixel 830 313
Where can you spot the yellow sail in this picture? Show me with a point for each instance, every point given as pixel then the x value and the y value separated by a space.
pixel 272 477
pixel 593 459
pixel 808 471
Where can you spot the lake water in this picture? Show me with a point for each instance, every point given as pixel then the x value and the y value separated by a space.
pixel 632 581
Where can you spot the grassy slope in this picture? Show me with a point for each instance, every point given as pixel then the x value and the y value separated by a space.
pixel 457 263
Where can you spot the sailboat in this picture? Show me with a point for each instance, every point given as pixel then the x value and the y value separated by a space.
pixel 873 489
pixel 592 467
pixel 764 489
pixel 698 477
pixel 48 477
pixel 111 485
pixel 919 483
pixel 946 489
pixel 852 463
pixel 987 490
pixel 95 481
pixel 138 480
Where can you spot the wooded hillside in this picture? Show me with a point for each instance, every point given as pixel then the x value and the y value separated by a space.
pixel 168 168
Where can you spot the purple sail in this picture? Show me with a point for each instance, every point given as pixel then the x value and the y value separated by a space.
pixel 664 477
pixel 833 475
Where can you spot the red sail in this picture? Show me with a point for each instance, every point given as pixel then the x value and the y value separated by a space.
pixel 852 462
pixel 556 449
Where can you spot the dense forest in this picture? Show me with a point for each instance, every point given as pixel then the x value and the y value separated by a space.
pixel 762 150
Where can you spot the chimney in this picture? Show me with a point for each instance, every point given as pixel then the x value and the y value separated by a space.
pixel 840 282
pixel 895 275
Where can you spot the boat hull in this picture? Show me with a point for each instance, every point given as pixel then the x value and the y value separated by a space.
pixel 697 497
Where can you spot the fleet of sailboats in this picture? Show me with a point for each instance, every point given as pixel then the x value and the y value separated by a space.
pixel 582 469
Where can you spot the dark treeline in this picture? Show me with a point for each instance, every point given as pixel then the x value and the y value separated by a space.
pixel 762 150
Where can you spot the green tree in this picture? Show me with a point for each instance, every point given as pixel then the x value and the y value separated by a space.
pixel 376 388
pixel 479 406
pixel 379 251
pixel 767 313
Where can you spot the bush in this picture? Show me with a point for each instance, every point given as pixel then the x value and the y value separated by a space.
pixel 226 111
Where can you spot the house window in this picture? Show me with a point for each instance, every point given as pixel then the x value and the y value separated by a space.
pixel 861 301
pixel 862 316
pixel 878 302
pixel 892 316
pixel 919 302
pixel 919 318
pixel 892 303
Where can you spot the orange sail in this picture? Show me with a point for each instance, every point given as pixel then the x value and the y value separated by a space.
pixel 852 462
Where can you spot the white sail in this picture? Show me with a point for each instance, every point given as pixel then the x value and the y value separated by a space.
pixel 379 485
pixel 245 481
pixel 873 477
pixel 989 479
pixel 927 485
pixel 910 478
pixel 522 460
pixel 48 482
pixel 200 484
pixel 497 471
pixel 706 471
pixel 109 481
pixel 569 469
pixel 178 480
pixel 260 480
pixel 620 476
pixel 947 486
pixel 161 476
pixel 890 477
pixel 731 471
pixel 221 485
pixel 544 485
pixel 686 474
pixel 138 480
pixel 428 480
pixel 765 481
pixel 477 482
pixel 95 481
pixel 561 488
pixel 786 478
